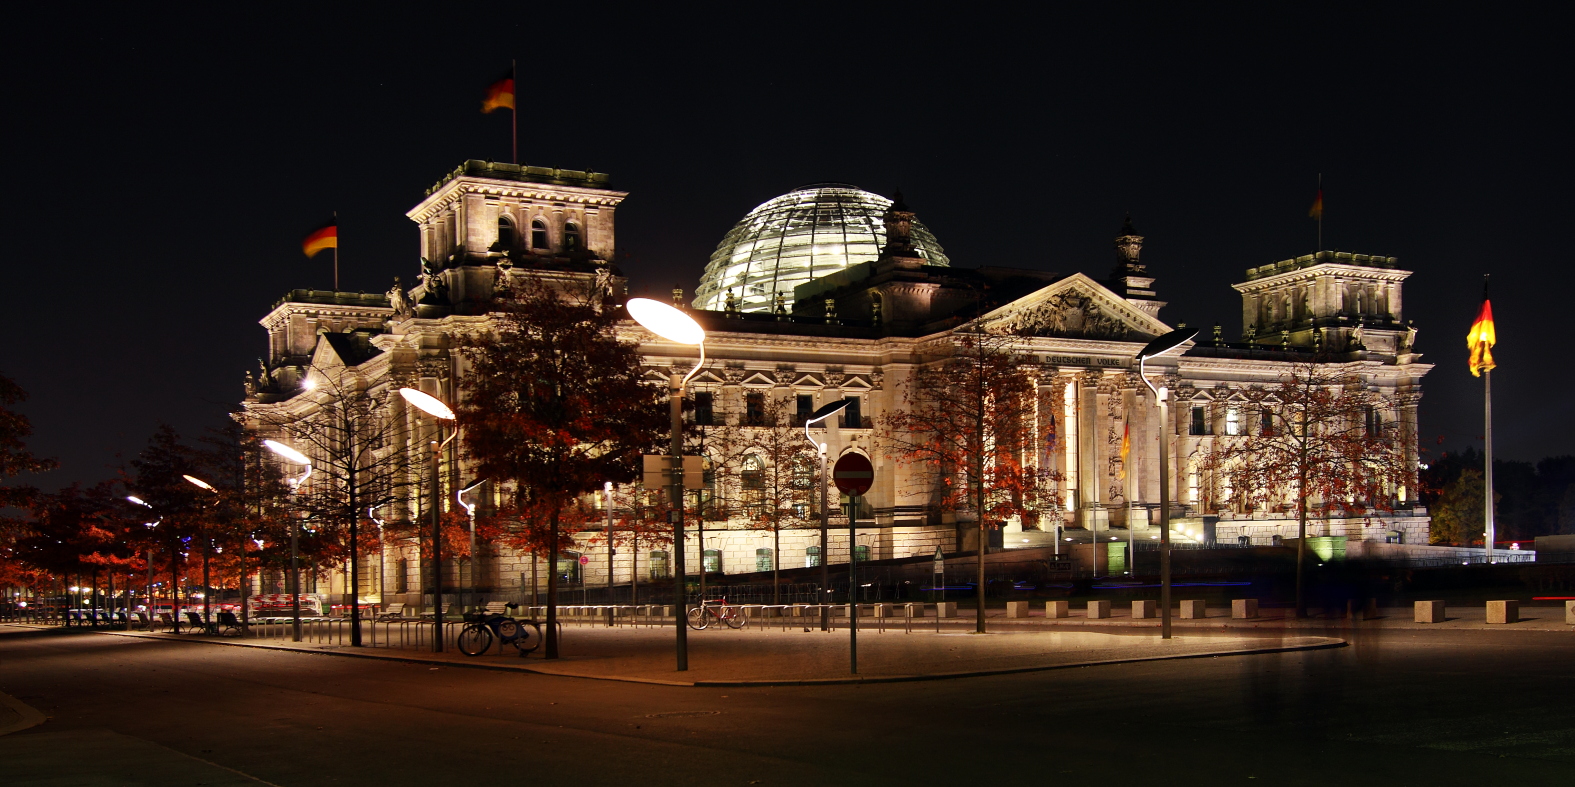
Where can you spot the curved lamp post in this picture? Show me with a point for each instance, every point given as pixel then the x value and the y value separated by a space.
pixel 675 326
pixel 293 456
pixel 153 607
pixel 826 411
pixel 433 406
pixel 470 511
pixel 1160 346
pixel 207 544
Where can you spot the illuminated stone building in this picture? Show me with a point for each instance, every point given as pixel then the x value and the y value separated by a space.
pixel 830 292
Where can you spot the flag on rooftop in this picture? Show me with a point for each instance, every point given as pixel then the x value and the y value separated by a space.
pixel 1316 211
pixel 325 237
pixel 500 95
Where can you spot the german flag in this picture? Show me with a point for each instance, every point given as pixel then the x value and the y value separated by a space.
pixel 1480 340
pixel 325 237
pixel 1316 211
pixel 1126 448
pixel 500 95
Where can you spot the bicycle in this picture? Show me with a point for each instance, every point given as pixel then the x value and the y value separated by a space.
pixel 715 612
pixel 480 629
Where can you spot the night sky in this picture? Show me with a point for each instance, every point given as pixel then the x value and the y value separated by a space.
pixel 163 166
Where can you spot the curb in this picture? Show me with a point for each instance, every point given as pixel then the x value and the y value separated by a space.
pixel 31 716
pixel 1329 643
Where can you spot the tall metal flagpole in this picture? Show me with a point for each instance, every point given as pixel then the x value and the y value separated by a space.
pixel 1487 472
pixel 514 110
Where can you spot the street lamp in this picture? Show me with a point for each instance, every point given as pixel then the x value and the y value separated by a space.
pixel 675 326
pixel 293 456
pixel 207 542
pixel 1160 346
pixel 470 510
pixel 153 607
pixel 826 411
pixel 433 406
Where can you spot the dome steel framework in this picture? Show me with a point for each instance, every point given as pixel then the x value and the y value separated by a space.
pixel 802 235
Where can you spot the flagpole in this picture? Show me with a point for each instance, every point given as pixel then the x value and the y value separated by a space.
pixel 514 111
pixel 1487 438
pixel 1320 212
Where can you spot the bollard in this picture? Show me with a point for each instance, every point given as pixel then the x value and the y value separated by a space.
pixel 1507 611
pixel 1429 612
pixel 1144 609
pixel 1244 608
pixel 1194 609
pixel 1058 609
pixel 1098 610
pixel 1017 609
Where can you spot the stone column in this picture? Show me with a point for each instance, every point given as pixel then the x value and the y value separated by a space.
pixel 1088 475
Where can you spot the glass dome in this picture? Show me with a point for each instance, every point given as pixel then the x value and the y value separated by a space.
pixel 802 235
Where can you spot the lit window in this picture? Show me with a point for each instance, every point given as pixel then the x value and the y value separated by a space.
pixel 658 561
pixel 571 236
pixel 538 235
pixel 1233 422
pixel 713 561
pixel 763 560
pixel 811 557
pixel 861 553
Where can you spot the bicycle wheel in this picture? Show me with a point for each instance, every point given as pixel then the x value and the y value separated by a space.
pixel 474 639
pixel 733 617
pixel 529 638
pixel 698 619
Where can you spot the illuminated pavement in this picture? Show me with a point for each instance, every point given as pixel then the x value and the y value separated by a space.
pixel 1394 708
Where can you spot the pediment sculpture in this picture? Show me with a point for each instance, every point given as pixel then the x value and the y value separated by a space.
pixel 1068 314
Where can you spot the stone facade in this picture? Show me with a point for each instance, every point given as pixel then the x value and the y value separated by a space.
pixel 859 333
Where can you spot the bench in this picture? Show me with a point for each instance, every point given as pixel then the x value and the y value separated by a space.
pixel 228 624
pixel 395 612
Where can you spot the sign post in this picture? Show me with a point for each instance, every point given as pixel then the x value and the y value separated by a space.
pixel 939 568
pixel 853 475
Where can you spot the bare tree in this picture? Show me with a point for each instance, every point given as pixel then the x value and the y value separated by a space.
pixel 1322 439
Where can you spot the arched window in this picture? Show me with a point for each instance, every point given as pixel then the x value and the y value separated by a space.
pixel 505 233
pixel 571 236
pixel 538 234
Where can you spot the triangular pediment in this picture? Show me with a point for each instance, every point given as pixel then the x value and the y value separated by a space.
pixel 1075 307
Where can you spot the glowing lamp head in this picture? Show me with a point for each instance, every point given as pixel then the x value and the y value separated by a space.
pixel 665 321
pixel 139 501
pixel 427 403
pixel 199 483
pixel 289 454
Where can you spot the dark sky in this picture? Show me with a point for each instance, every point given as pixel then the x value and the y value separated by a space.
pixel 163 166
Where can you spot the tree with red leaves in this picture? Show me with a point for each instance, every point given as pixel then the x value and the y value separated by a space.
pixel 966 431
pixel 1320 438
pixel 555 404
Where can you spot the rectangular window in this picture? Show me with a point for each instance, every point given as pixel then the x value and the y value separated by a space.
pixel 1200 420
pixel 703 410
pixel 852 418
pixel 1233 422
pixel 763 560
pixel 658 561
pixel 713 561
pixel 401 575
pixel 754 408
pixel 861 553
pixel 1266 425
pixel 568 572
pixel 811 557
pixel 806 407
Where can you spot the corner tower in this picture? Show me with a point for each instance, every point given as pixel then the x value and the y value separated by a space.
pixel 1130 278
pixel 1334 301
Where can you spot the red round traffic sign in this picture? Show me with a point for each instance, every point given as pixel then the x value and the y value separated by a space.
pixel 853 474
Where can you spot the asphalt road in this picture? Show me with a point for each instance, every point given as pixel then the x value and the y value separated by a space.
pixel 1394 708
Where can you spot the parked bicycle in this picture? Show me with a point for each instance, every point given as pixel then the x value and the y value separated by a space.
pixel 481 628
pixel 715 611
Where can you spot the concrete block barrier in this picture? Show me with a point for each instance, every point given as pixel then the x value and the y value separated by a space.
pixel 946 609
pixel 1194 609
pixel 1569 612
pixel 1058 609
pixel 1244 608
pixel 1017 609
pixel 915 610
pixel 1098 610
pixel 1506 611
pixel 883 610
pixel 1429 612
pixel 1144 609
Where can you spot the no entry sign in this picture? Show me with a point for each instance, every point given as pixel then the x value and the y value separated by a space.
pixel 853 474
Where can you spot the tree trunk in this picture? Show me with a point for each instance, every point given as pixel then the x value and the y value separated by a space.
pixel 552 588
